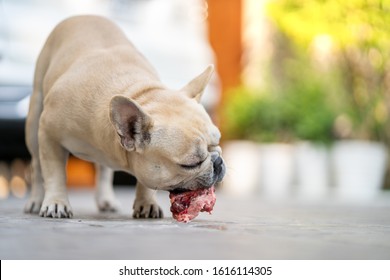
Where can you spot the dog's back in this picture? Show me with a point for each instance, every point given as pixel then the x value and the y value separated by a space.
pixel 82 37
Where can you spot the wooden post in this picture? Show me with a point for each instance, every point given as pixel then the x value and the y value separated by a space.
pixel 225 23
pixel 225 37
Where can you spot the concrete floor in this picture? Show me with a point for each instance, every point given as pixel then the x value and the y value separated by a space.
pixel 251 228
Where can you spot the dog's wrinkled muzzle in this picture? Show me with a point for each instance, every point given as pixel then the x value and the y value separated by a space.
pixel 205 180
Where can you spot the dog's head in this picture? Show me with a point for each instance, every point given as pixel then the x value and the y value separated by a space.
pixel 171 140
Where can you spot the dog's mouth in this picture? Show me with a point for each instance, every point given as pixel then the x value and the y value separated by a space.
pixel 186 204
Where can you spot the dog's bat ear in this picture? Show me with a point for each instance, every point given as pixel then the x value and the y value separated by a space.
pixel 131 123
pixel 195 88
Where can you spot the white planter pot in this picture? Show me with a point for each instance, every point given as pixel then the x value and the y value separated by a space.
pixel 312 170
pixel 242 161
pixel 276 169
pixel 359 168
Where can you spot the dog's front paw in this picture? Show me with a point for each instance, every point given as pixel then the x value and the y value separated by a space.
pixel 56 208
pixel 147 209
pixel 33 205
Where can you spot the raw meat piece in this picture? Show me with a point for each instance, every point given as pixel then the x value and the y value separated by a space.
pixel 186 205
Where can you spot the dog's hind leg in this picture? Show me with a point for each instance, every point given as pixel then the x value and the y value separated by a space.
pixel 32 126
pixel 34 203
pixel 32 123
pixel 53 159
pixel 105 197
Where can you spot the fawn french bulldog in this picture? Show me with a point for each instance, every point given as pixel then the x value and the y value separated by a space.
pixel 95 96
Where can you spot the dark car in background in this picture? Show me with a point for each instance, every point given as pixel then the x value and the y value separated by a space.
pixel 14 101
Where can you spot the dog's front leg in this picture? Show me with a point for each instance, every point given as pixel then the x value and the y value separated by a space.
pixel 145 204
pixel 53 163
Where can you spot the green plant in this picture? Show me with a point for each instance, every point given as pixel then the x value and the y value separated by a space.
pixel 311 111
pixel 302 111
pixel 258 116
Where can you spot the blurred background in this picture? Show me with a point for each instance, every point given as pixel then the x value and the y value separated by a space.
pixel 302 91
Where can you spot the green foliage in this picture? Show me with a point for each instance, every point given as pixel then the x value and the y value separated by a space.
pixel 300 112
pixel 256 116
pixel 309 106
pixel 329 74
pixel 359 34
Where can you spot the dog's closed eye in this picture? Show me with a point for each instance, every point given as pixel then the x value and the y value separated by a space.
pixel 191 166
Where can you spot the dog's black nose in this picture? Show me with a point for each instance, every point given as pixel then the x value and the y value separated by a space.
pixel 218 162
pixel 219 168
